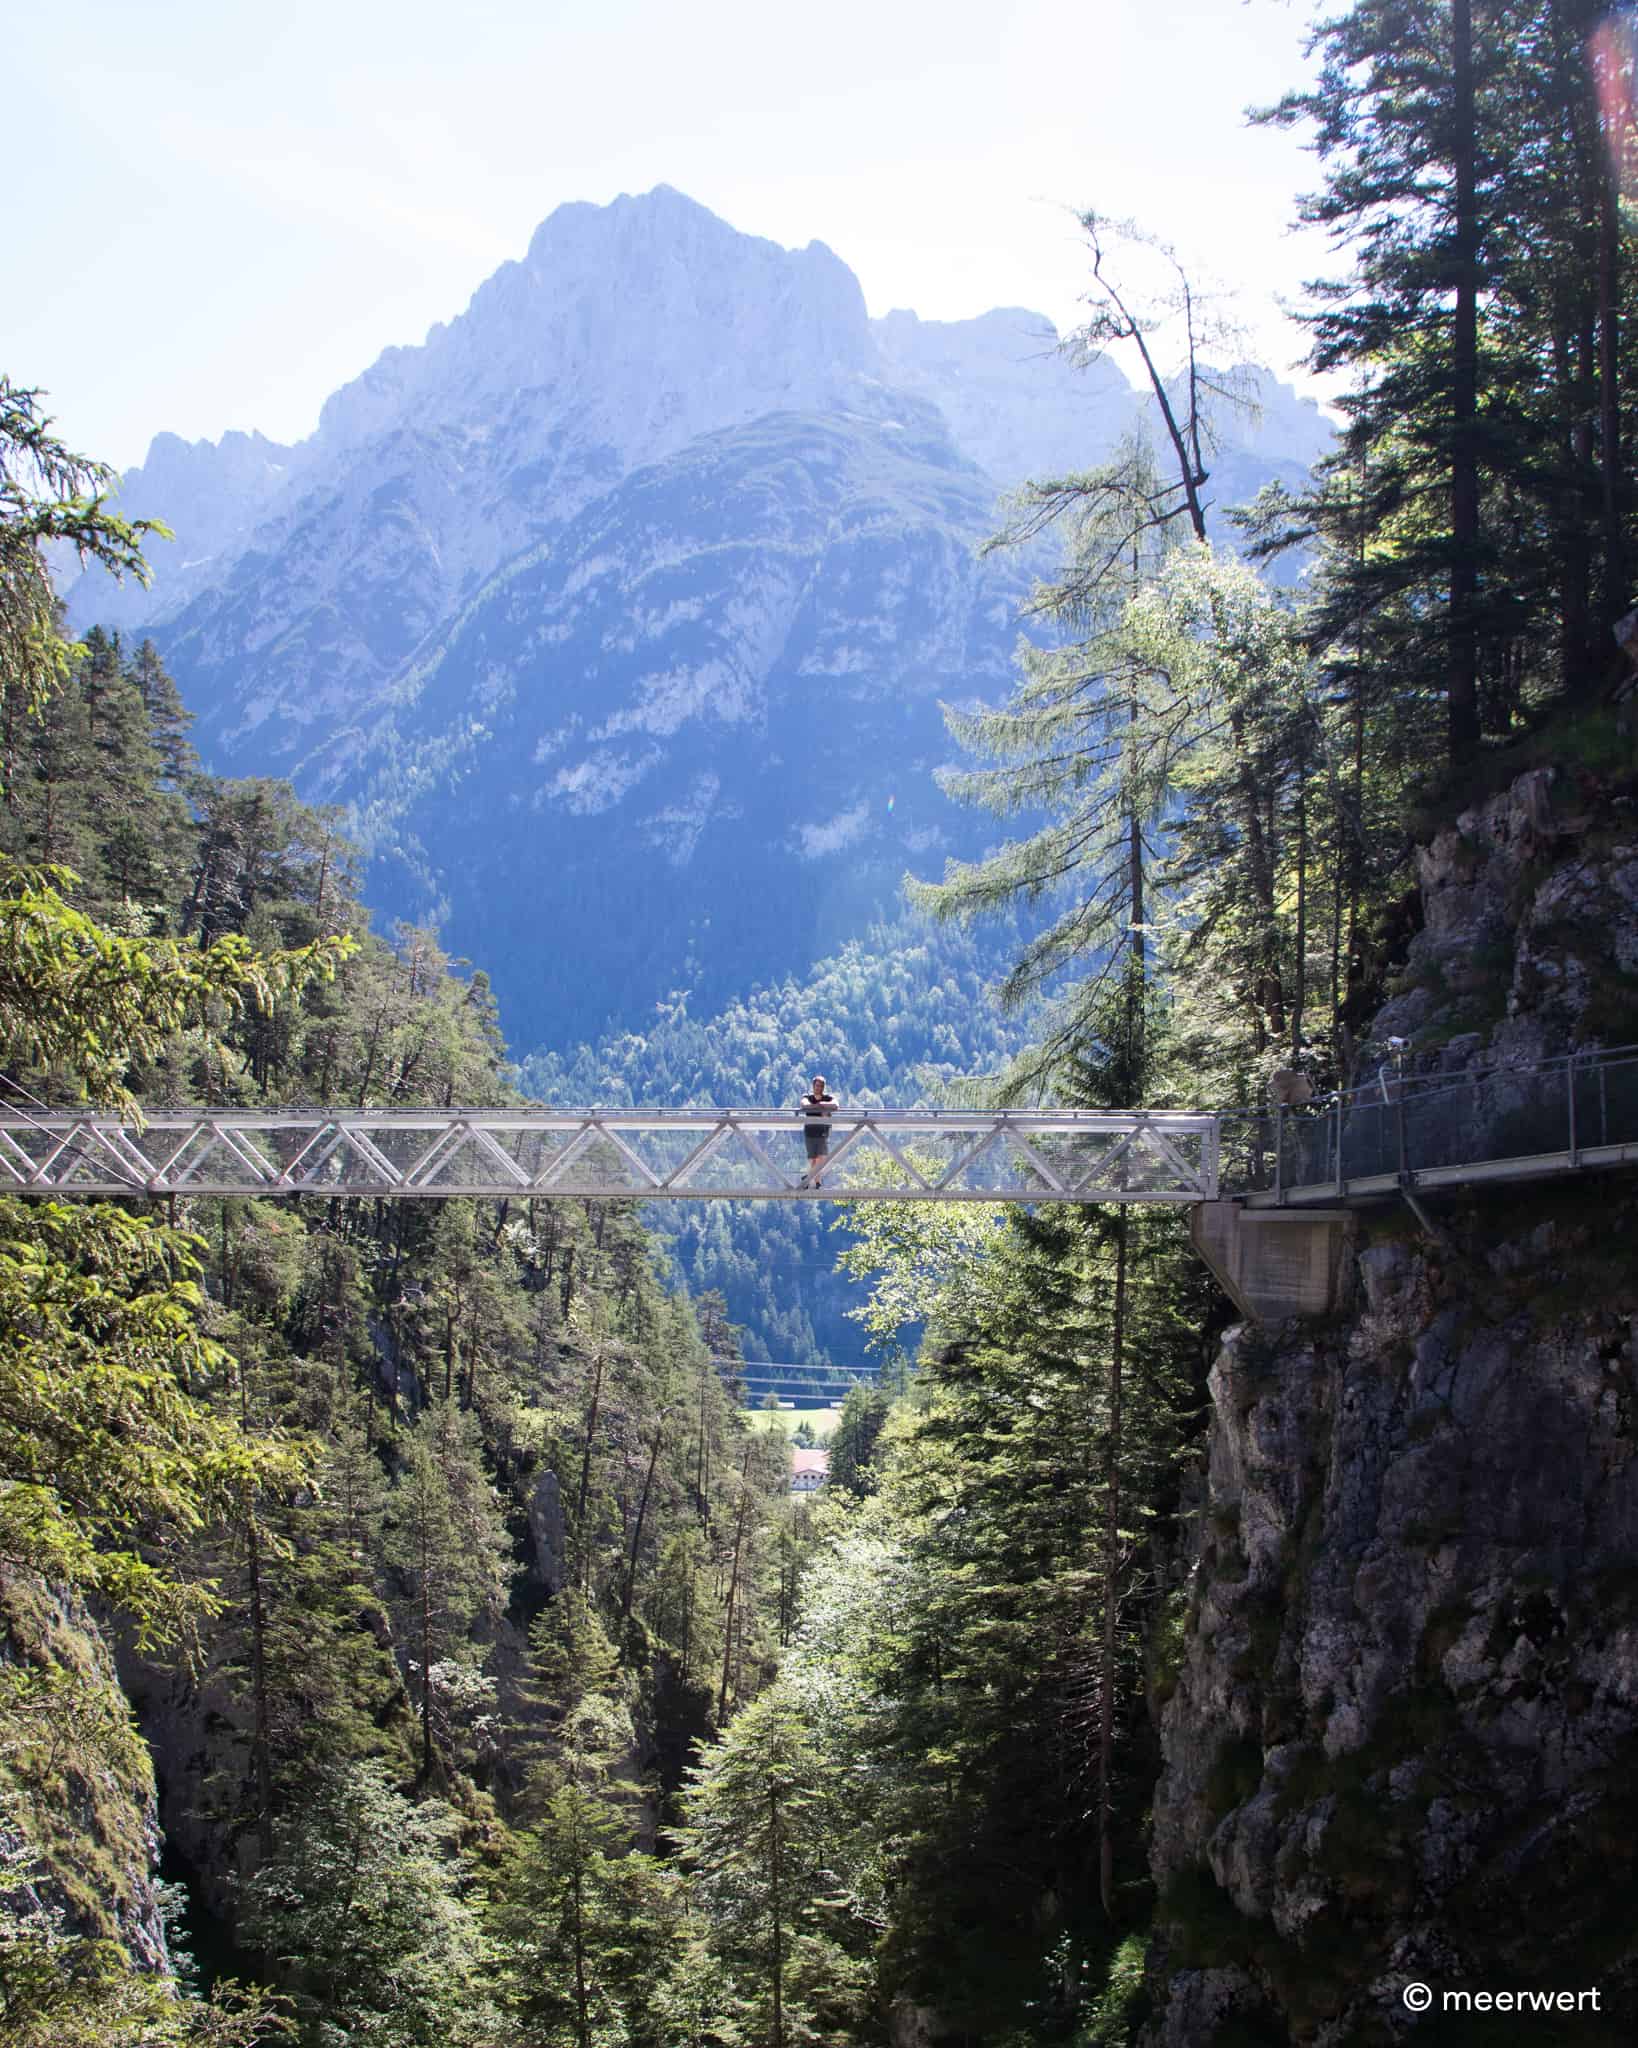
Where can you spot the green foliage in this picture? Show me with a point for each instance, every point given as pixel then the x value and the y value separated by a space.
pixel 76 996
pixel 854 1444
pixel 754 1847
pixel 47 494
pixel 61 1991
pixel 584 1927
pixel 310 1439
pixel 1201 831
pixel 102 965
pixel 919 1258
pixel 1121 2005
pixel 106 1452
pixel 360 1907
pixel 947 1657
pixel 1475 517
pixel 445 1540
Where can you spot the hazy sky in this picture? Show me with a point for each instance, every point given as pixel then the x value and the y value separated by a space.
pixel 233 208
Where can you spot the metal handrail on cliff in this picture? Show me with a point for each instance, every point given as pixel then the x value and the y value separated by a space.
pixel 1573 1112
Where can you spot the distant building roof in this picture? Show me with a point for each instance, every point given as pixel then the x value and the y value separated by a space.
pixel 808 1469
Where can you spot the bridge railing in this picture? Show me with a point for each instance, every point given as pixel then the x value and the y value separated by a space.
pixel 1491 1123
pixel 743 1154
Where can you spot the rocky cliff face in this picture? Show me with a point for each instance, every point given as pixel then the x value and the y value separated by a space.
pixel 1400 1744
pixel 1529 940
pixel 77 1799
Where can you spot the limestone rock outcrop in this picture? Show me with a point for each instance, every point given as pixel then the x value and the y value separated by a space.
pixel 1529 941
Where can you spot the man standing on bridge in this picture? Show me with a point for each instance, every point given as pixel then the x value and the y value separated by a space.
pixel 818 1107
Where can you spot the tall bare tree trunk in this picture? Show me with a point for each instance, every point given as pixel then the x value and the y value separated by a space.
pixel 1612 462
pixel 582 2001
pixel 262 1732
pixel 701 1461
pixel 733 1585
pixel 642 1511
pixel 1299 988
pixel 1462 684
pixel 585 1464
pixel 776 1875
pixel 426 1649
pixel 1111 1583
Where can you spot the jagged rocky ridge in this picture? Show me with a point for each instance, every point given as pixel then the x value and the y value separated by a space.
pixel 1399 1745
pixel 644 575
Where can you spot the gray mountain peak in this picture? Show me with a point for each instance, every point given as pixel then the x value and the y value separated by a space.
pixel 623 333
pixel 644 573
pixel 1014 403
pixel 210 493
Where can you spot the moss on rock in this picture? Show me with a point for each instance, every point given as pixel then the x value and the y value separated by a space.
pixel 76 1781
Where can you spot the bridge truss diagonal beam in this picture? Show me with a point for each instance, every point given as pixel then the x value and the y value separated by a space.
pixel 644 1155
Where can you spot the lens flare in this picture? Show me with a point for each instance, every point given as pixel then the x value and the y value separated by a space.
pixel 1612 54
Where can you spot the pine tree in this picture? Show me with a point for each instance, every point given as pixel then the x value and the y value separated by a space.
pixel 359 1909
pixel 754 1848
pixel 48 494
pixel 581 1921
pixel 445 1539
pixel 853 1444
pixel 168 717
pixel 1472 169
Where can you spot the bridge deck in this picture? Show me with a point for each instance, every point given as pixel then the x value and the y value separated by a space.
pixel 716 1154
pixel 1573 1114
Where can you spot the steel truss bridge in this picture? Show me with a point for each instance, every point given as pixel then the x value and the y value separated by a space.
pixel 757 1155
pixel 1396 1137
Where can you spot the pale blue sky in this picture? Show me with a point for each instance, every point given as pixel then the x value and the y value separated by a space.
pixel 233 208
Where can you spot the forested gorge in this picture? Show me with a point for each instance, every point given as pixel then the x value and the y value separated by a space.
pixel 499 1692
pixel 412 1515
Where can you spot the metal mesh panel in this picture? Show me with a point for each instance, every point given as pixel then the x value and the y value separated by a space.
pixel 1490 1123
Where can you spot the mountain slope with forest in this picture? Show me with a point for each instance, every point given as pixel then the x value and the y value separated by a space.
pixel 735 658
pixel 1140 1679
pixel 898 1018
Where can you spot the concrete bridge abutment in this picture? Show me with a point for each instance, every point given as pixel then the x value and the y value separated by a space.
pixel 1273 1263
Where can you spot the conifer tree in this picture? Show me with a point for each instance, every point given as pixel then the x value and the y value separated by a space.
pixel 1092 733
pixel 853 1444
pixel 754 1847
pixel 359 1908
pixel 580 1920
pixel 445 1541
pixel 1473 154
pixel 295 1584
pixel 168 717
pixel 47 494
